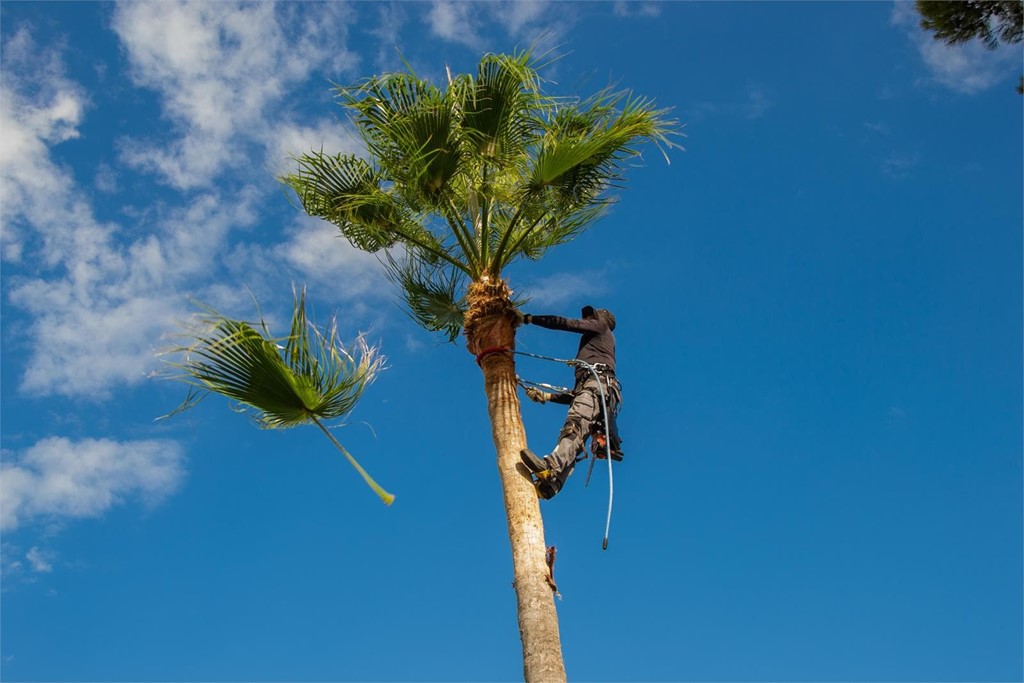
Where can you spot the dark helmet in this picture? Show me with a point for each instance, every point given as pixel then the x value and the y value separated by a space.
pixel 602 314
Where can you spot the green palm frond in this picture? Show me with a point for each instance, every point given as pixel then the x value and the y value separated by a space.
pixel 311 378
pixel 410 128
pixel 346 191
pixel 586 147
pixel 582 155
pixel 501 108
pixel 431 294
pixel 552 229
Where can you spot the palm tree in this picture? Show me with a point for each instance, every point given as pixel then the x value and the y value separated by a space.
pixel 311 379
pixel 461 181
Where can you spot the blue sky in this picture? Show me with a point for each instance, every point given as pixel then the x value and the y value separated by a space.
pixel 819 330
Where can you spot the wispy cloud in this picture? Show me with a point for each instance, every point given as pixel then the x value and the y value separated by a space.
pixel 29 179
pixel 100 294
pixel 219 69
pixel 59 479
pixel 899 165
pixel 474 24
pixel 636 8
pixel 969 68
pixel 289 139
pixel 95 320
pixel 561 289
pixel 519 17
pixel 40 560
pixel 454 22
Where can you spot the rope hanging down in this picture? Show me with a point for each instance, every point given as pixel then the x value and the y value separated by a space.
pixel 573 362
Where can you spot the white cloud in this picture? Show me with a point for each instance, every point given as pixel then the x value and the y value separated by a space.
pixel 9 566
pixel 29 180
pixel 40 560
pixel 561 289
pixel 98 302
pixel 519 16
pixel 969 68
pixel 453 21
pixel 106 179
pixel 97 321
pixel 537 22
pixel 387 32
pixel 220 68
pixel 317 250
pixel 289 140
pixel 630 8
pixel 60 479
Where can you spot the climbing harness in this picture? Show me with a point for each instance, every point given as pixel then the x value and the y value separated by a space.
pixel 593 369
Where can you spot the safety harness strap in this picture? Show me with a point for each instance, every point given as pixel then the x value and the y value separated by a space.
pixel 488 351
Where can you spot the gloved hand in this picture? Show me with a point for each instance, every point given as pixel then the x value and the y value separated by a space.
pixel 537 395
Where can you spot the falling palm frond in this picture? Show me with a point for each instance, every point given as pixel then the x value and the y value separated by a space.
pixel 311 378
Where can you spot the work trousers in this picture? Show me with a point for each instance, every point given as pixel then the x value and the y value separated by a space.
pixel 584 410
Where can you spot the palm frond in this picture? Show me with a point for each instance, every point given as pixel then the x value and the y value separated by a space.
pixel 585 149
pixel 346 191
pixel 501 107
pixel 582 155
pixel 431 293
pixel 550 230
pixel 309 379
pixel 410 128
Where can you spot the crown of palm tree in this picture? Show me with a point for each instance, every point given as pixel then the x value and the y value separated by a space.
pixel 310 378
pixel 464 180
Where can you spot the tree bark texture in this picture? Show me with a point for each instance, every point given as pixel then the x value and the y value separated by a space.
pixel 490 326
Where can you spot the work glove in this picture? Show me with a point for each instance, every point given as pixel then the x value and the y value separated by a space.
pixel 538 396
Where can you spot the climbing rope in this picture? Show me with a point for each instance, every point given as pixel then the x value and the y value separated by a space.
pixel 573 362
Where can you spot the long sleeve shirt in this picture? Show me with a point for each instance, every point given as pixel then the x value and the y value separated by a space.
pixel 597 343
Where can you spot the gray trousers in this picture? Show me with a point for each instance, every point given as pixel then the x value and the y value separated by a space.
pixel 583 411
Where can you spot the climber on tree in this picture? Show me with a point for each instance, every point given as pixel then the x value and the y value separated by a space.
pixel 597 349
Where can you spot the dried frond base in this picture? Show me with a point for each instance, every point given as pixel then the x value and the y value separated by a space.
pixel 490 320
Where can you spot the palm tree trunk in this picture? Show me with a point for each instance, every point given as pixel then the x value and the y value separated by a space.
pixel 538 620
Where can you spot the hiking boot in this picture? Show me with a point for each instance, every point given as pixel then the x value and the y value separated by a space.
pixel 541 467
pixel 541 474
